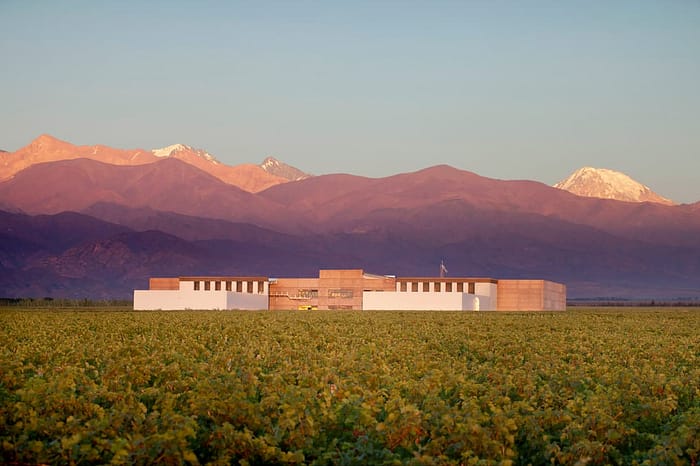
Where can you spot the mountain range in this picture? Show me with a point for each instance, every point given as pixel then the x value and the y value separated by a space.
pixel 249 177
pixel 91 221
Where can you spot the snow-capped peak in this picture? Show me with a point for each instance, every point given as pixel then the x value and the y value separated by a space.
pixel 609 184
pixel 270 162
pixel 167 151
pixel 170 150
pixel 275 167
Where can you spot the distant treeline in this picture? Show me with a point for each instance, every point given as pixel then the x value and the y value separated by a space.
pixel 613 302
pixel 63 302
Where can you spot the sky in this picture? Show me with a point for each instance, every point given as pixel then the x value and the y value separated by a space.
pixel 507 89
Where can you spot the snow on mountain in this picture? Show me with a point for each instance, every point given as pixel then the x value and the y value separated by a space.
pixel 170 150
pixel 275 167
pixel 609 184
pixel 166 151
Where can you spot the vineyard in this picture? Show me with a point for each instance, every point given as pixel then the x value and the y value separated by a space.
pixel 310 387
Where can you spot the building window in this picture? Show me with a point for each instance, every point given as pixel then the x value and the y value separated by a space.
pixel 312 293
pixel 217 286
pixel 239 287
pixel 438 287
pixel 196 285
pixel 471 288
pixel 207 286
pixel 414 287
pixel 343 294
pixel 261 288
pixel 228 285
pixel 448 287
pixel 403 286
pixel 460 287
pixel 426 287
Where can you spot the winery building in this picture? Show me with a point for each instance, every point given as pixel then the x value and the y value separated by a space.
pixel 351 289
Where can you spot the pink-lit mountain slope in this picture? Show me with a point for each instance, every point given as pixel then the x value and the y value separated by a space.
pixel 249 177
pixel 168 185
pixel 333 203
pixel 348 203
pixel 609 184
pixel 46 148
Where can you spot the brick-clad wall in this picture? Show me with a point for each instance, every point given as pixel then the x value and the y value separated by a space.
pixel 350 280
pixel 163 284
pixel 554 296
pixel 531 295
pixel 337 289
pixel 520 295
pixel 283 292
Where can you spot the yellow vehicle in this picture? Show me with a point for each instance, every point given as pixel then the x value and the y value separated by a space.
pixel 307 307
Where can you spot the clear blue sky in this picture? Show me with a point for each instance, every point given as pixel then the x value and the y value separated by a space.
pixel 511 90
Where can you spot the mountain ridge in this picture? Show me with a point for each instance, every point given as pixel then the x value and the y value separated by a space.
pixel 116 259
pixel 74 185
pixel 47 148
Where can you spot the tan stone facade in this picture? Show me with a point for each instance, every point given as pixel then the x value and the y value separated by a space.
pixel 164 284
pixel 530 295
pixel 332 290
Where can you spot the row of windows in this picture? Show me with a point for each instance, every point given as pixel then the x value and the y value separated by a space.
pixel 345 294
pixel 253 287
pixel 439 286
pixel 333 293
pixel 448 287
pixel 307 293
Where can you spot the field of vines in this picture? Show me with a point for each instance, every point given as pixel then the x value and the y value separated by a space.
pixel 583 387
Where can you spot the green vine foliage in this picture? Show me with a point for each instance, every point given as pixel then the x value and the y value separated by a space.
pixel 584 387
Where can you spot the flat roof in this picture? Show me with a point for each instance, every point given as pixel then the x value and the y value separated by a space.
pixel 221 279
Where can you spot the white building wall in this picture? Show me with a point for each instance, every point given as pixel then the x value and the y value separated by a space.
pixel 488 295
pixel 470 302
pixel 149 300
pixel 410 301
pixel 188 285
pixel 246 301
